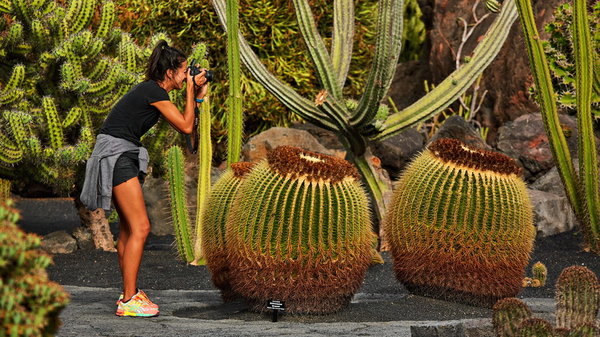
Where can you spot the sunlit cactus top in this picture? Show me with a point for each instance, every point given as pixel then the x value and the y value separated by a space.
pixel 241 169
pixel 455 152
pixel 297 163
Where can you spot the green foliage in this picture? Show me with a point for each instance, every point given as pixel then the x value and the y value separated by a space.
pixel 61 71
pixel 460 226
pixel 272 32
pixel 577 302
pixel 561 59
pixel 299 231
pixel 29 303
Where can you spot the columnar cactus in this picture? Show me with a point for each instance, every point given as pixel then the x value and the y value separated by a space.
pixel 577 297
pixel 460 225
pixel 29 303
pixel 214 220
pixel 4 189
pixel 299 231
pixel 508 313
pixel 539 273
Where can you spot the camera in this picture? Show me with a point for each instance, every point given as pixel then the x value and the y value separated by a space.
pixel 194 70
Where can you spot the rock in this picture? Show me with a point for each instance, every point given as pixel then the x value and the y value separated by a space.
pixel 397 151
pixel 457 127
pixel 257 147
pixel 552 213
pixel 325 137
pixel 156 196
pixel 525 140
pixel 83 236
pixel 59 242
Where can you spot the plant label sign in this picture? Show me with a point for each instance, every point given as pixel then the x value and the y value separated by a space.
pixel 276 306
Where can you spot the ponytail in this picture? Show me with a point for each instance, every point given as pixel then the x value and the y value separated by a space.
pixel 162 59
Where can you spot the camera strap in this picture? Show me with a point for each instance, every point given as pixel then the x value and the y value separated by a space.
pixel 192 140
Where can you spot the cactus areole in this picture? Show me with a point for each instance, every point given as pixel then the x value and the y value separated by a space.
pixel 299 232
pixel 460 225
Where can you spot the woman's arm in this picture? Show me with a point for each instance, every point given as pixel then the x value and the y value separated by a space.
pixel 183 122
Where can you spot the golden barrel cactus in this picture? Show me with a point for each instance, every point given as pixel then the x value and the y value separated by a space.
pixel 460 225
pixel 299 231
pixel 214 219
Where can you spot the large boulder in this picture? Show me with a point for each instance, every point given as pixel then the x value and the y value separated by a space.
pixel 59 242
pixel 456 127
pixel 398 151
pixel 552 213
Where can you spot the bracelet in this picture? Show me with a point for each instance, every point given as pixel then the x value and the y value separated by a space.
pixel 199 100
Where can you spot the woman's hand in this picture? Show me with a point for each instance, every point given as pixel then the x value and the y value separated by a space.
pixel 202 90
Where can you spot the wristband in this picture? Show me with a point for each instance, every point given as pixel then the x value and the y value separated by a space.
pixel 199 100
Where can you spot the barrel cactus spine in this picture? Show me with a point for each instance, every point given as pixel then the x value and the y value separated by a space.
pixel 508 314
pixel 221 198
pixel 577 297
pixel 299 231
pixel 460 226
pixel 535 327
pixel 585 330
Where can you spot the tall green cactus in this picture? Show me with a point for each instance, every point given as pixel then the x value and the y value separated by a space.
pixel 234 114
pixel 214 219
pixel 356 126
pixel 577 297
pixel 582 189
pixel 59 79
pixel 299 231
pixel 460 226
pixel 192 253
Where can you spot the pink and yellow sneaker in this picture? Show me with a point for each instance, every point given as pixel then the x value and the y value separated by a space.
pixel 137 306
pixel 141 293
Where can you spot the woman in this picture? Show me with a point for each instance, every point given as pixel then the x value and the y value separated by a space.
pixel 117 166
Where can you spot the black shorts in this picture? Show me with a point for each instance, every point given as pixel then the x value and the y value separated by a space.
pixel 127 167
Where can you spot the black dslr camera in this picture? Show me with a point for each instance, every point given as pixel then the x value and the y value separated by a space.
pixel 194 70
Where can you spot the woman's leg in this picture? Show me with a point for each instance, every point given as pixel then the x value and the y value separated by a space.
pixel 128 198
pixel 124 232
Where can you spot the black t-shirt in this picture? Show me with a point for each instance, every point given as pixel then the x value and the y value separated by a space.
pixel 133 115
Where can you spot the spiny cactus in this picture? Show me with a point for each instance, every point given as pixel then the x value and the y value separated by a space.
pixel 214 220
pixel 299 231
pixel 356 127
pixel 460 225
pixel 4 189
pixel 29 303
pixel 535 327
pixel 508 313
pixel 585 330
pixel 62 71
pixel 539 273
pixel 577 297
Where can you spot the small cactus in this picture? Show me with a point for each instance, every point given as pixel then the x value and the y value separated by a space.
pixel 540 273
pixel 299 231
pixel 460 226
pixel 535 327
pixel 585 330
pixel 577 297
pixel 219 202
pixel 508 313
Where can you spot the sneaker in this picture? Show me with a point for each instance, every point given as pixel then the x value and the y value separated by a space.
pixel 137 306
pixel 143 294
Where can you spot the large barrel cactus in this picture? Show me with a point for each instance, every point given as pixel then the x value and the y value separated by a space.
pixel 219 202
pixel 299 231
pixel 577 297
pixel 460 225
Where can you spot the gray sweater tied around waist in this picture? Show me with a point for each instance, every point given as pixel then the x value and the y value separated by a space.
pixel 97 187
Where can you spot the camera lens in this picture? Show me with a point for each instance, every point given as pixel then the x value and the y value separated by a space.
pixel 209 76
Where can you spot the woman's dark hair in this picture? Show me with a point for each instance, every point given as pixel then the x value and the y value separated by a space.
pixel 162 59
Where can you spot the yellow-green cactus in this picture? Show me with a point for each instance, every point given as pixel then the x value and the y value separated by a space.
pixel 577 297
pixel 299 231
pixel 460 226
pixel 508 314
pixel 221 198
pixel 539 273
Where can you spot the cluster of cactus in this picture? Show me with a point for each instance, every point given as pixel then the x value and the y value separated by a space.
pixel 29 303
pixel 577 304
pixel 294 227
pixel 357 124
pixel 460 224
pixel 560 54
pixel 62 71
pixel 539 273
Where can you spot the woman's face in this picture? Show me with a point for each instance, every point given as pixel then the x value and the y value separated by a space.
pixel 178 76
